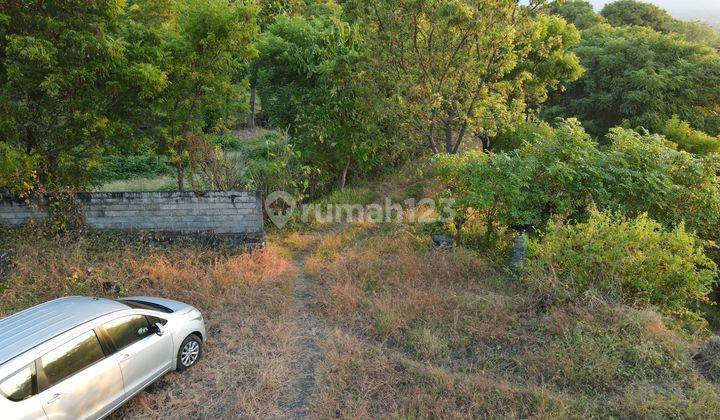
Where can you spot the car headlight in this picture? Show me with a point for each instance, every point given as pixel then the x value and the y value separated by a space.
pixel 195 315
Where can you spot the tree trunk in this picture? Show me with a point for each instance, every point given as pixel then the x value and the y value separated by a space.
pixel 180 176
pixel 251 114
pixel 343 175
pixel 448 139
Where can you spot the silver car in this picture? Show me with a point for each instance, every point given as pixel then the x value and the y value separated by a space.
pixel 83 357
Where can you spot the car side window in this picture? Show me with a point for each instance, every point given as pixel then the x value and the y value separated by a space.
pixel 127 330
pixel 19 386
pixel 155 320
pixel 71 358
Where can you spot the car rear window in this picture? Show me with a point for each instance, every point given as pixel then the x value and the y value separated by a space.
pixel 140 304
pixel 19 385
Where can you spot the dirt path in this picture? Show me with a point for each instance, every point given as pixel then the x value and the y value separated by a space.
pixel 297 399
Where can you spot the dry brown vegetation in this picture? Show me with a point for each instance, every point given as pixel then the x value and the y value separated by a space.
pixel 245 297
pixel 427 333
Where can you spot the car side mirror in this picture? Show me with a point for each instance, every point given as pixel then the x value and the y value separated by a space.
pixel 159 329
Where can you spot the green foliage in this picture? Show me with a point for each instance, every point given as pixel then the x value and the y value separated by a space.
pixel 311 83
pixel 630 260
pixel 561 175
pixel 129 167
pixel 459 71
pixel 17 171
pixel 637 77
pixel 226 141
pixel 694 141
pixel 79 80
pixel 514 136
pixel 60 65
pixel 578 12
pixel 270 10
pixel 277 166
pixel 637 13
pixel 698 32
pixel 545 177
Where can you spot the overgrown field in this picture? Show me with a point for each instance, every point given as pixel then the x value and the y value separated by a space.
pixel 426 333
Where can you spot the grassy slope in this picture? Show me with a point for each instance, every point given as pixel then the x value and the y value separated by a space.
pixel 426 333
pixel 414 332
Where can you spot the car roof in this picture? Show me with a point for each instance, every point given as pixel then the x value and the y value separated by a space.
pixel 27 329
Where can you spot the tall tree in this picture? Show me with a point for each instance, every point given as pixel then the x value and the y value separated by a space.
pixel 638 77
pixel 60 66
pixel 578 12
pixel 312 83
pixel 269 11
pixel 636 13
pixel 464 68
pixel 208 49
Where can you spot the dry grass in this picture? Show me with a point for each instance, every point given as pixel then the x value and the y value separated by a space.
pixel 425 333
pixel 246 299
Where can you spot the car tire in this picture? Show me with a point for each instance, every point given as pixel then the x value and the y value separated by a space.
pixel 189 353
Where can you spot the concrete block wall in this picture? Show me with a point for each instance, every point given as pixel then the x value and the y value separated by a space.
pixel 221 212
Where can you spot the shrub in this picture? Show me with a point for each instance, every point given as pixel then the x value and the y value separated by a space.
pixel 17 170
pixel 128 167
pixel 687 138
pixel 631 260
pixel 277 166
pixel 226 141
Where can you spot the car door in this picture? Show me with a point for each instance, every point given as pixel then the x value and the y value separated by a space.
pixel 143 353
pixel 77 380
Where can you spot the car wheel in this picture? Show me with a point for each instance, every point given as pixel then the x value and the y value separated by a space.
pixel 189 353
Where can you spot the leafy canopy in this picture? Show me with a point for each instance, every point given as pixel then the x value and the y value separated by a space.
pixel 578 12
pixel 562 175
pixel 311 81
pixel 637 77
pixel 464 68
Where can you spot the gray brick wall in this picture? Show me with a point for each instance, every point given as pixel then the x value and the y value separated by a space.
pixel 226 212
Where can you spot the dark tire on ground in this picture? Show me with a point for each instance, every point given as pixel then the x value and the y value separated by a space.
pixel 189 353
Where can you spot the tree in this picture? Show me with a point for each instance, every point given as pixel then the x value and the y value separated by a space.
pixel 464 68
pixel 638 77
pixel 312 83
pixel 208 49
pixel 60 66
pixel 578 12
pixel 636 13
pixel 269 11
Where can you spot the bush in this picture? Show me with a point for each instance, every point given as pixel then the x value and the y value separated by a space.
pixel 515 136
pixel 277 166
pixel 687 138
pixel 631 260
pixel 17 170
pixel 127 167
pixel 226 141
